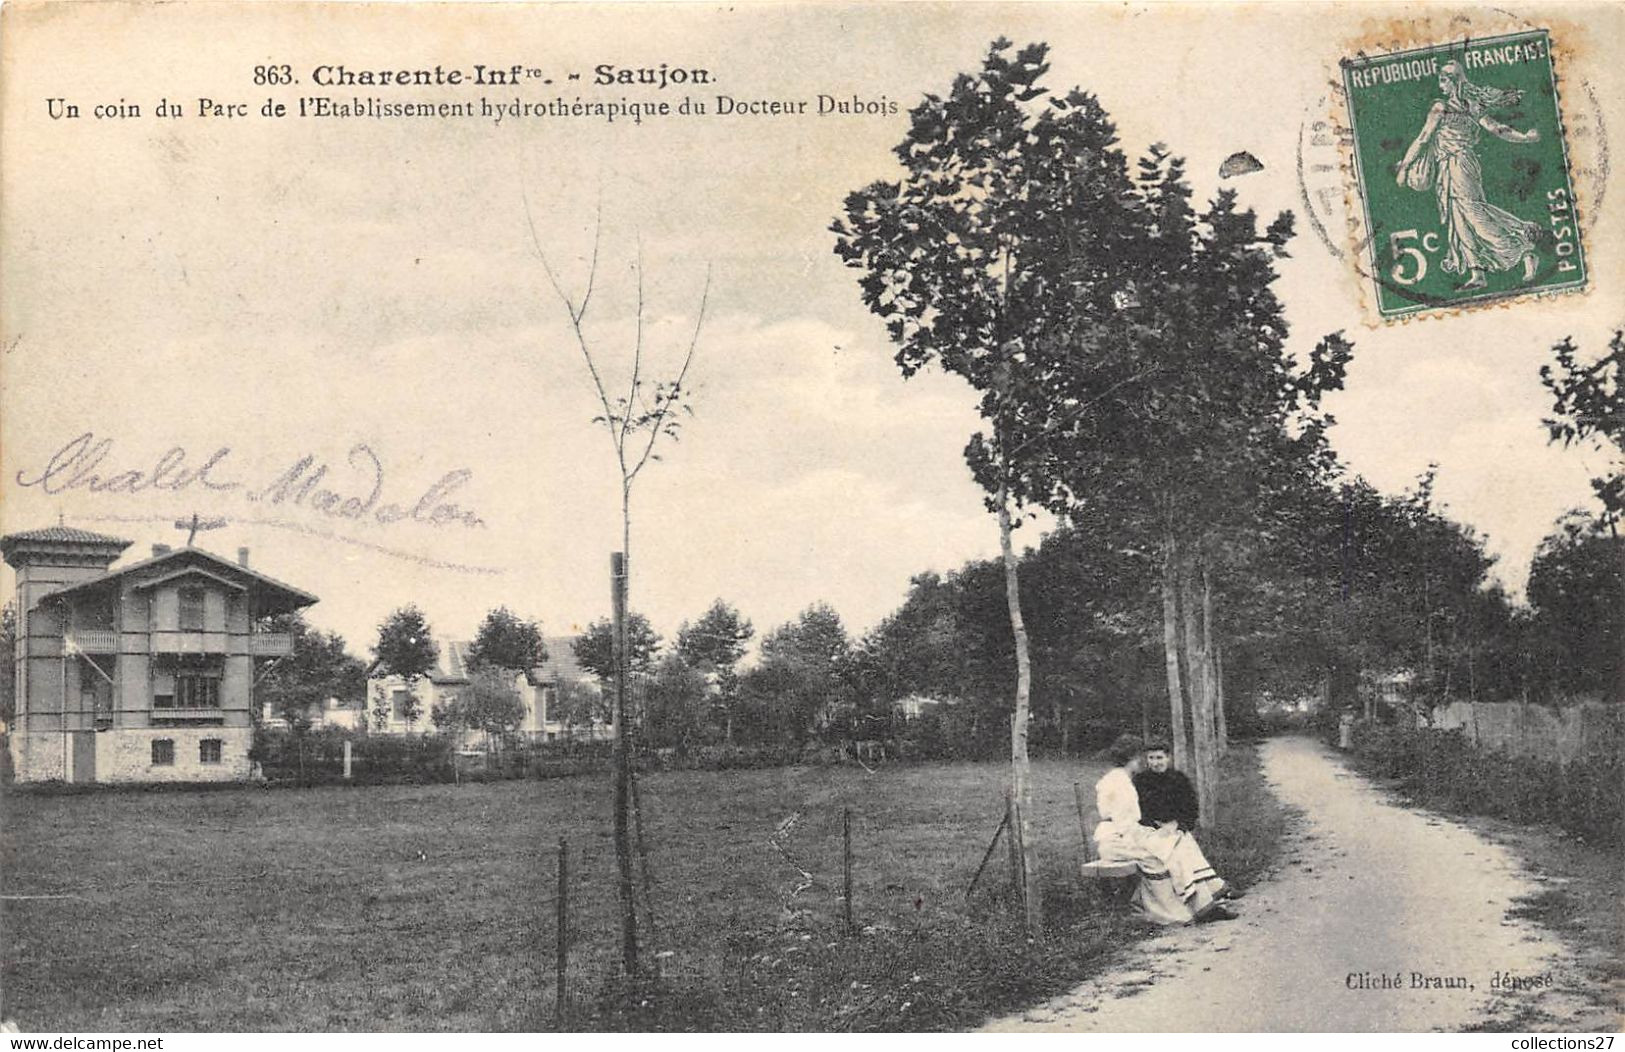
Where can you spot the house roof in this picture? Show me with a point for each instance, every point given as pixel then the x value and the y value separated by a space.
pixel 109 547
pixel 453 664
pixel 450 663
pixel 64 533
pixel 561 663
pixel 268 591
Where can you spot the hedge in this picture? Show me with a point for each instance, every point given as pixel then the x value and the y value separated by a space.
pixel 1443 769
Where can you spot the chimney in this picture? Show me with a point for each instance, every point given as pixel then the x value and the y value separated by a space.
pixel 242 557
pixel 160 549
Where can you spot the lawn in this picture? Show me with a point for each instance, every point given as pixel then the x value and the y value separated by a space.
pixel 432 908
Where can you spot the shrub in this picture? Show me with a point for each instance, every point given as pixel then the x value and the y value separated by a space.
pixel 1443 769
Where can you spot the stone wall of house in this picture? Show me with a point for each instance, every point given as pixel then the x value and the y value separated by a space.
pixel 1563 734
pixel 37 757
pixel 125 755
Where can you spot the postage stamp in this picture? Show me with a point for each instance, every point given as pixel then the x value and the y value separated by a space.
pixel 1463 174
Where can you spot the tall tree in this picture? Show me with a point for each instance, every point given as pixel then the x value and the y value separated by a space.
pixel 802 685
pixel 317 668
pixel 406 646
pixel 1588 408
pixel 489 704
pixel 717 639
pixel 8 661
pixel 714 643
pixel 505 640
pixel 595 648
pixel 1200 424
pixel 1577 594
pixel 999 243
pixel 675 701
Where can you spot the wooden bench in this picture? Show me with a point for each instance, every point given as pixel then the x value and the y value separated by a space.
pixel 1116 876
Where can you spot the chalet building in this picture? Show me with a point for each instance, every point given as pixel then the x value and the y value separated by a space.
pixel 538 689
pixel 142 674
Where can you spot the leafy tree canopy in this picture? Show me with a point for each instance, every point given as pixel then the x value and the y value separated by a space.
pixel 489 703
pixel 318 668
pixel 405 646
pixel 1588 407
pixel 504 640
pixel 595 648
pixel 816 639
pixel 717 640
pixel 8 661
pixel 1577 593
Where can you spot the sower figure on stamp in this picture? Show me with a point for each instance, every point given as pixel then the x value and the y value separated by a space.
pixel 1177 885
pixel 1479 236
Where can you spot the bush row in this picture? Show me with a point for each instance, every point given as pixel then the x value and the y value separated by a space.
pixel 1442 769
pixel 317 758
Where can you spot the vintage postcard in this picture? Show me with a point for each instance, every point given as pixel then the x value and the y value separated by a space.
pixel 821 517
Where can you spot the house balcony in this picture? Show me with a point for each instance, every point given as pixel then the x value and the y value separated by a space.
pixel 169 642
pixel 259 644
pixel 270 644
pixel 194 715
pixel 92 641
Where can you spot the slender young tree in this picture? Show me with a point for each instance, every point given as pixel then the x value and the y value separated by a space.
pixel 637 414
pixel 989 258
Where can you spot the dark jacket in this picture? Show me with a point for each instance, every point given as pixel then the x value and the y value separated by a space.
pixel 1166 797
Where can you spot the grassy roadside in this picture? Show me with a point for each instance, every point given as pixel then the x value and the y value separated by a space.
pixel 431 907
pixel 971 961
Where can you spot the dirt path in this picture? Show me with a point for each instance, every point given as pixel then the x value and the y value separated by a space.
pixel 1368 892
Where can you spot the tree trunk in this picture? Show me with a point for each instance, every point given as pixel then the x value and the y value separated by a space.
pixel 1201 718
pixel 1218 678
pixel 1170 651
pixel 1021 770
pixel 623 770
pixel 1215 689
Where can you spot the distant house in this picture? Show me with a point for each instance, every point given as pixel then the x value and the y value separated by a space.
pixel 390 693
pixel 539 690
pixel 143 674
pixel 332 713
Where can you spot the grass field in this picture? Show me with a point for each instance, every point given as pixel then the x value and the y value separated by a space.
pixel 432 908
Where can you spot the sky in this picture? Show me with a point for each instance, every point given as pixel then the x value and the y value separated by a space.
pixel 373 292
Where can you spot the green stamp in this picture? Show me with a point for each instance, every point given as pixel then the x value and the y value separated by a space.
pixel 1463 173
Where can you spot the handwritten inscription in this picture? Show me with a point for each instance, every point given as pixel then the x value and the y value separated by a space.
pixel 355 492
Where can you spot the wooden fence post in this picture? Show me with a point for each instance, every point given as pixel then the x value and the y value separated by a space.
pixel 1013 841
pixel 988 854
pixel 846 865
pixel 561 938
pixel 346 759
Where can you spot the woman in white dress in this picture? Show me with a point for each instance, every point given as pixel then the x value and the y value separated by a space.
pixel 1479 236
pixel 1177 885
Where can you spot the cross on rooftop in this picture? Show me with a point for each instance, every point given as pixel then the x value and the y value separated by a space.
pixel 194 524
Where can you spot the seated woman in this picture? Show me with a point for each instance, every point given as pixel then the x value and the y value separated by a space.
pixel 1177 885
pixel 1166 795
